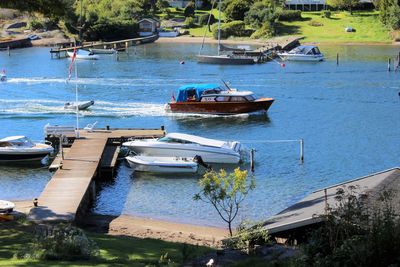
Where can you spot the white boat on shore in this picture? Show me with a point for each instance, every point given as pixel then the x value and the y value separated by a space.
pixel 102 51
pixel 188 146
pixel 6 206
pixel 162 164
pixel 83 54
pixel 21 148
pixel 303 53
pixel 81 105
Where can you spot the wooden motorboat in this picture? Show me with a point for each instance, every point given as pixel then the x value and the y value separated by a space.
pixel 212 99
pixel 303 53
pixel 162 164
pixel 83 54
pixel 188 146
pixel 21 148
pixel 81 105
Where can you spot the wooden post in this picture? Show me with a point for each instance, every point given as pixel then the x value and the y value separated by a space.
pixel 388 64
pixel 252 160
pixel 337 59
pixel 126 47
pixel 302 150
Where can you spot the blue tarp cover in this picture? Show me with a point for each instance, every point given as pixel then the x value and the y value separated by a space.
pixel 199 88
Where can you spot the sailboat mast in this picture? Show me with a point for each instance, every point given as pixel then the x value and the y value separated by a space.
pixel 219 26
pixel 76 100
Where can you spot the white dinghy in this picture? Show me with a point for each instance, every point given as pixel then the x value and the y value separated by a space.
pixel 162 164
pixel 83 54
pixel 81 105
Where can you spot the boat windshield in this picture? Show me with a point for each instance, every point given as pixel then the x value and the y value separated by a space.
pixel 19 142
pixel 167 139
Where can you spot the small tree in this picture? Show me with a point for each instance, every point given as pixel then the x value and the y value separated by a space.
pixel 189 10
pixel 225 192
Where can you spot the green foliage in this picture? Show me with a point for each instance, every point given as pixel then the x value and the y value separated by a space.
pixel 259 14
pixel 203 19
pixel 393 18
pixel 288 15
pixel 225 192
pixel 189 22
pixel 315 23
pixel 189 10
pixel 326 14
pixel 61 242
pixel 347 5
pixel 233 28
pixel 236 9
pixel 111 30
pixel 50 8
pixel 267 30
pixel 247 235
pixel 35 24
pixel 356 234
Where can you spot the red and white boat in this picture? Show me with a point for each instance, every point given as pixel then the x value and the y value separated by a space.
pixel 212 99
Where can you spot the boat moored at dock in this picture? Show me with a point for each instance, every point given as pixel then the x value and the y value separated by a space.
pixel 303 53
pixel 212 99
pixel 83 54
pixel 162 164
pixel 21 148
pixel 186 145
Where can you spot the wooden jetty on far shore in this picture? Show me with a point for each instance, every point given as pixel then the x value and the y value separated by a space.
pixel 60 52
pixel 71 190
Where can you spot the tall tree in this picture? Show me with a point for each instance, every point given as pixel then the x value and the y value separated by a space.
pixel 50 8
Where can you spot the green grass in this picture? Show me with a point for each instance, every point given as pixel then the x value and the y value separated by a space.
pixel 114 251
pixel 367 25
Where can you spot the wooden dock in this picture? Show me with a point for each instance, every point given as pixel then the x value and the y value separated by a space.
pixel 67 195
pixel 60 52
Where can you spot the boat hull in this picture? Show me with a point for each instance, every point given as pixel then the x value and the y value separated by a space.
pixel 290 57
pixel 11 157
pixel 225 60
pixel 221 108
pixel 166 165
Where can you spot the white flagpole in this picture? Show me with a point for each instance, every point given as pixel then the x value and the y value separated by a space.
pixel 76 99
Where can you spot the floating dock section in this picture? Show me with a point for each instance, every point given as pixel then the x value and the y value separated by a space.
pixel 68 194
pixel 307 213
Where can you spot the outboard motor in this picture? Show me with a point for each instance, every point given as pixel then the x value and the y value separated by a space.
pixel 198 159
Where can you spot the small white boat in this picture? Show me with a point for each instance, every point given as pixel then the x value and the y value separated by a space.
pixel 165 33
pixel 81 105
pixel 3 76
pixel 83 54
pixel 188 146
pixel 102 51
pixel 162 164
pixel 6 206
pixel 303 53
pixel 21 148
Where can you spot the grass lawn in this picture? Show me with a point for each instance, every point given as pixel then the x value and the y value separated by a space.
pixel 367 25
pixel 114 251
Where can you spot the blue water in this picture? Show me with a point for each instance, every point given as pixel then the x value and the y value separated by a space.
pixel 348 115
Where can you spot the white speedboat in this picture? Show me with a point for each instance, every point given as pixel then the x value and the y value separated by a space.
pixel 81 105
pixel 83 54
pixel 6 206
pixel 185 145
pixel 162 164
pixel 21 148
pixel 303 53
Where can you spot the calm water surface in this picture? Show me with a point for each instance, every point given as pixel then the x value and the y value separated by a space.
pixel 348 115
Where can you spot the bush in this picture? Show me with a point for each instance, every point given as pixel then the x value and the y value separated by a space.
pixel 234 28
pixel 61 242
pixel 111 30
pixel 393 19
pixel 189 10
pixel 203 19
pixel 315 23
pixel 267 30
pixel 189 22
pixel 258 14
pixel 289 15
pixel 326 14
pixel 236 9
pixel 35 25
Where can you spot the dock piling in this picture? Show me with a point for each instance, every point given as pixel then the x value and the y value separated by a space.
pixel 302 150
pixel 8 50
pixel 337 59
pixel 388 64
pixel 252 159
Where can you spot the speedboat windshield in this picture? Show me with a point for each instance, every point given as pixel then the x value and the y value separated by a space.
pixel 16 141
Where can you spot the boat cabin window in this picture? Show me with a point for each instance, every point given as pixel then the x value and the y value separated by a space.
pixel 5 144
pixel 212 91
pixel 222 98
pixel 237 99
pixel 191 94
pixel 250 98
pixel 314 51
pixel 166 139
pixel 22 142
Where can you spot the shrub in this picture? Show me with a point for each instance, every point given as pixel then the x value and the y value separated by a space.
pixel 315 23
pixel 35 25
pixel 326 14
pixel 289 15
pixel 267 30
pixel 189 10
pixel 189 22
pixel 258 14
pixel 203 19
pixel 233 28
pixel 61 242
pixel 111 30
pixel 236 9
pixel 393 19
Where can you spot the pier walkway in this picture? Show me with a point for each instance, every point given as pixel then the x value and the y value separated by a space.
pixel 67 193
